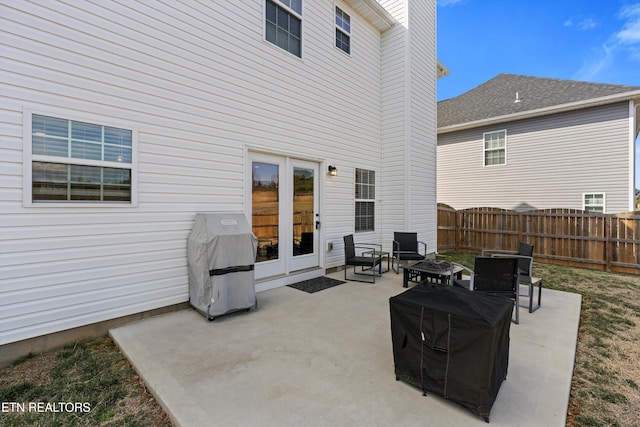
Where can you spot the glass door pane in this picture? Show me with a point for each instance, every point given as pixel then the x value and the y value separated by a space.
pixel 265 209
pixel 303 211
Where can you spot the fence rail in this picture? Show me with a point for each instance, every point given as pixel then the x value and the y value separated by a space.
pixel 608 242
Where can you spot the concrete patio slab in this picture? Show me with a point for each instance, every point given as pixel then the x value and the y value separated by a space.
pixel 325 359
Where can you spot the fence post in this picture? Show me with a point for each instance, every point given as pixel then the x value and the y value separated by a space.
pixel 607 242
pixel 458 234
pixel 520 226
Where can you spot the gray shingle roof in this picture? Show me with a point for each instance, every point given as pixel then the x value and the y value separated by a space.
pixel 496 97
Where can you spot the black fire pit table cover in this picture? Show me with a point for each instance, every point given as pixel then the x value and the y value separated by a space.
pixel 452 342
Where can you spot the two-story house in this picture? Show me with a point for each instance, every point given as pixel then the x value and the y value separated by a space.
pixel 122 120
pixel 524 143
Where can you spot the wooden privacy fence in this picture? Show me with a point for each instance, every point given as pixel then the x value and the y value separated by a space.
pixel 608 242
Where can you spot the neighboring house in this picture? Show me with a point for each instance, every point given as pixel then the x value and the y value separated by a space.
pixel 519 142
pixel 122 120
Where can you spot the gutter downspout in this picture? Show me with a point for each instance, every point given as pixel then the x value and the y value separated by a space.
pixel 634 131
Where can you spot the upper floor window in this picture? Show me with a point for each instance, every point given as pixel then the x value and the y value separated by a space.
pixel 495 148
pixel 74 161
pixel 284 24
pixel 594 202
pixel 343 31
pixel 365 200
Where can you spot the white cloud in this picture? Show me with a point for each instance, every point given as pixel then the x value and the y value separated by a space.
pixel 630 10
pixel 599 60
pixel 623 42
pixel 584 24
pixel 587 24
pixel 630 32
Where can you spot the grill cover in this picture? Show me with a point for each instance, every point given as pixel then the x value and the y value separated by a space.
pixel 452 342
pixel 221 252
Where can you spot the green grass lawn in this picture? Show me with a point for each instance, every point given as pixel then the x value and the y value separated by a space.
pixel 605 389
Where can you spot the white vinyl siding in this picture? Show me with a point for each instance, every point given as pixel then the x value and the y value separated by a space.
pixel 553 161
pixel 422 213
pixel 409 149
pixel 199 97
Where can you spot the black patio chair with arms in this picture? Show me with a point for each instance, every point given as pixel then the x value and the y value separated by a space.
pixel 495 276
pixel 367 256
pixel 406 247
pixel 525 267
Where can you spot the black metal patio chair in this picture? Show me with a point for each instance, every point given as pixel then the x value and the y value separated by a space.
pixel 525 268
pixel 495 276
pixel 406 247
pixel 367 256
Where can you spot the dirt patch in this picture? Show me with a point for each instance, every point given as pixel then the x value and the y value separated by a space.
pixel 92 374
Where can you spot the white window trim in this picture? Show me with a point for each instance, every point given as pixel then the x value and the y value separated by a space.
pixel 336 27
pixel 28 157
pixel 356 200
pixel 294 13
pixel 484 150
pixel 595 193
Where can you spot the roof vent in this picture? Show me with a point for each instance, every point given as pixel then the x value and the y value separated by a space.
pixel 518 99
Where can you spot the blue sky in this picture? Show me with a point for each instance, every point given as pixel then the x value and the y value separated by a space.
pixel 588 40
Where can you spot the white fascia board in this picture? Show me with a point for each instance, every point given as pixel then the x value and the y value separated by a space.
pixel 555 109
pixel 374 13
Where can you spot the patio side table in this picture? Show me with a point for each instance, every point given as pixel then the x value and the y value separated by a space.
pixel 375 253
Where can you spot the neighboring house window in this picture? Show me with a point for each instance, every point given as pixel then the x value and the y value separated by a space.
pixel 284 24
pixel 73 161
pixel 365 199
pixel 593 202
pixel 343 31
pixel 495 148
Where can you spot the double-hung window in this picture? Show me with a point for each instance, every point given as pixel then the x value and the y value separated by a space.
pixel 495 148
pixel 365 200
pixel 593 202
pixel 284 24
pixel 78 162
pixel 343 31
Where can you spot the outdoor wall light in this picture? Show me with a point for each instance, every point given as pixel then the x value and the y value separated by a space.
pixel 333 171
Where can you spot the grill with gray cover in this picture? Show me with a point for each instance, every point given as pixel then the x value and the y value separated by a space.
pixel 221 253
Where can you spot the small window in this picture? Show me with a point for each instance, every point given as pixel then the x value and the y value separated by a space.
pixel 594 202
pixel 284 24
pixel 343 31
pixel 495 148
pixel 365 200
pixel 74 161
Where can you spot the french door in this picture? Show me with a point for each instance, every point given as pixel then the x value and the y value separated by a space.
pixel 284 214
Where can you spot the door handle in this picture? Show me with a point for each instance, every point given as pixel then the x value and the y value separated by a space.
pixel 317 225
